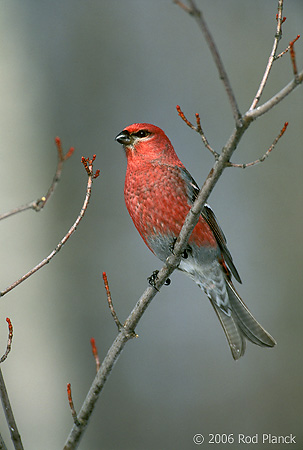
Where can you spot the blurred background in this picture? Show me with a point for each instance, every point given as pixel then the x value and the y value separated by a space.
pixel 83 71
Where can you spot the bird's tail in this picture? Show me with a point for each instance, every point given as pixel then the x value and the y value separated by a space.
pixel 241 324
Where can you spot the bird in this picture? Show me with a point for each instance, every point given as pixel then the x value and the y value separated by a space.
pixel 158 193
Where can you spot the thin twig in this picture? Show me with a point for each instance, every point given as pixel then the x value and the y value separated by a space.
pixel 266 154
pixel 9 340
pixel 273 101
pixel 194 11
pixel 71 405
pixel 287 48
pixel 39 204
pixel 2 444
pixel 95 353
pixel 110 302
pixel 15 436
pixel 61 159
pixel 198 129
pixel 293 56
pixel 271 58
pixel 204 139
pixel 183 6
pixel 87 164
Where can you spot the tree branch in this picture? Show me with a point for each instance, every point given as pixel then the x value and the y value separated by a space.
pixel 2 444
pixel 39 204
pixel 110 302
pixel 15 436
pixel 271 58
pixel 255 113
pixel 266 154
pixel 71 404
pixel 88 165
pixel 198 129
pixel 95 353
pixel 9 341
pixel 197 14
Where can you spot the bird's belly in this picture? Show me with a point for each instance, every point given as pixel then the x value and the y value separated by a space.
pixel 196 256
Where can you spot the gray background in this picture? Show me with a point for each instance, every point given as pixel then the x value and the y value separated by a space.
pixel 83 71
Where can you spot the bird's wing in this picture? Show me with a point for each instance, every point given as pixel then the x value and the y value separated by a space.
pixel 209 216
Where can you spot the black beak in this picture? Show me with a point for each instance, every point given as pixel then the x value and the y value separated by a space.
pixel 123 138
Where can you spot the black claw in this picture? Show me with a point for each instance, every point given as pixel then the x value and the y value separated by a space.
pixel 172 245
pixel 185 252
pixel 153 278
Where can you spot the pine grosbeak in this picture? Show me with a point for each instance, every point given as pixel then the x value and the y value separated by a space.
pixel 158 193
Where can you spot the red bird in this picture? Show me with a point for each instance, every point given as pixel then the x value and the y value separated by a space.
pixel 159 193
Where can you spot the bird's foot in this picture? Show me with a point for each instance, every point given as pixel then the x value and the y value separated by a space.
pixel 186 251
pixel 152 280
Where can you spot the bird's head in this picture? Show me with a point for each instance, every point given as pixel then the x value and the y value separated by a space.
pixel 147 142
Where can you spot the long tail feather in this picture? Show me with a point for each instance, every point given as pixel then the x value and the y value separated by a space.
pixel 245 320
pixel 233 334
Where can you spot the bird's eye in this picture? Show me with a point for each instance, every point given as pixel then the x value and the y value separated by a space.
pixel 142 133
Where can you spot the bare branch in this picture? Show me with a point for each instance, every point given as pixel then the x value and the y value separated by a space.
pixel 198 129
pixel 88 164
pixel 183 6
pixel 194 11
pixel 95 353
pixel 293 56
pixel 2 444
pixel 288 47
pixel 257 112
pixel 39 204
pixel 71 404
pixel 9 341
pixel 266 154
pixel 56 179
pixel 15 436
pixel 110 303
pixel 272 56
pixel 204 140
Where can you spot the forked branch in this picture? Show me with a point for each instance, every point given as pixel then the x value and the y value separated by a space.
pixel 266 154
pixel 88 165
pixel 39 204
pixel 272 56
pixel 199 130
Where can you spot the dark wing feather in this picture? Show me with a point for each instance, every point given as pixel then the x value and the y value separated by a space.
pixel 209 216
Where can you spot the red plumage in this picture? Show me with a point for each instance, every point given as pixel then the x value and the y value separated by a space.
pixel 158 193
